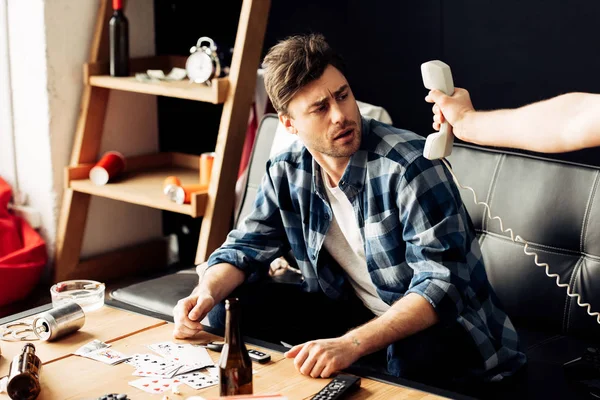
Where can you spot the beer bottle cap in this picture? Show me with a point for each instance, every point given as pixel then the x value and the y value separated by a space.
pixel 232 303
pixel 29 348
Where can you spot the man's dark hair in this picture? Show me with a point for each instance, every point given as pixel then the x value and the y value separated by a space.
pixel 295 62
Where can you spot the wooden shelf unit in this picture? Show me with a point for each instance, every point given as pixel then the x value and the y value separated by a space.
pixel 96 74
pixel 142 182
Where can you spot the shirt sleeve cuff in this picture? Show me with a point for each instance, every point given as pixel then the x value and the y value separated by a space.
pixel 443 297
pixel 240 261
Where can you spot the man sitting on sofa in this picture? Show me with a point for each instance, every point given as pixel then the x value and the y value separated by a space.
pixel 388 254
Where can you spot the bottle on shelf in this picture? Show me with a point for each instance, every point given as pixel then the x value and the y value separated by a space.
pixel 119 41
pixel 235 366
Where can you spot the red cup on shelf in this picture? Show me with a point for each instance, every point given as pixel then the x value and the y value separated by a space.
pixel 111 165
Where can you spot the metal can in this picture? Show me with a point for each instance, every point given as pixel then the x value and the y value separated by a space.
pixel 170 181
pixel 58 322
pixel 183 194
pixel 206 165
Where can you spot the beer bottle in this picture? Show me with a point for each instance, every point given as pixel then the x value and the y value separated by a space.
pixel 24 375
pixel 235 366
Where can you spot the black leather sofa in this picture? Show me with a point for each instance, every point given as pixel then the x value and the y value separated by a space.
pixel 553 205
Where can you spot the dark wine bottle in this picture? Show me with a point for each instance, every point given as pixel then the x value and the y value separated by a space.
pixel 119 41
pixel 235 366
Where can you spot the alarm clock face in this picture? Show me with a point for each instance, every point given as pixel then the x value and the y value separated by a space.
pixel 199 67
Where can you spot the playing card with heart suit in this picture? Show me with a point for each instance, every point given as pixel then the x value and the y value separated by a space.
pixel 167 370
pixel 154 385
pixel 193 357
pixel 153 366
pixel 107 356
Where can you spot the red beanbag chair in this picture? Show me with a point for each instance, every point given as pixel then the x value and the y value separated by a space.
pixel 22 253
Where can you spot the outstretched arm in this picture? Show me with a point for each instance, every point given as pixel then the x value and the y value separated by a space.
pixel 564 123
pixel 321 358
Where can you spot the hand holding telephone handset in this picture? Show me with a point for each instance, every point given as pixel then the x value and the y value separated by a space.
pixel 437 75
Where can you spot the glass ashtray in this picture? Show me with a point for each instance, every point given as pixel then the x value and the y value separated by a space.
pixel 88 294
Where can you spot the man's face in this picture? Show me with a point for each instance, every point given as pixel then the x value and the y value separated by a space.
pixel 325 116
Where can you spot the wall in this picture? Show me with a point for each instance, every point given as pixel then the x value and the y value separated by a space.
pixel 512 53
pixel 49 41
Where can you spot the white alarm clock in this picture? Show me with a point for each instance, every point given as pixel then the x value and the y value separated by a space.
pixel 203 63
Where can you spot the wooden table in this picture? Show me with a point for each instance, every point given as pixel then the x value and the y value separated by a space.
pixel 66 376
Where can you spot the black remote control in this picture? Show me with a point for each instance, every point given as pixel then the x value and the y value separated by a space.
pixel 259 356
pixel 340 386
pixel 255 355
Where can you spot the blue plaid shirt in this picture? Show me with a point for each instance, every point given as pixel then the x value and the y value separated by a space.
pixel 417 235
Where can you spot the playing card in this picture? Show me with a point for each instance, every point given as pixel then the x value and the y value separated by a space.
pixel 92 346
pixel 165 349
pixel 186 368
pixel 165 370
pixel 154 385
pixel 213 371
pixel 153 366
pixel 194 357
pixel 108 356
pixel 191 357
pixel 144 360
pixel 198 380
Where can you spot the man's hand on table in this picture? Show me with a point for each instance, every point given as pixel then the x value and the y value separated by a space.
pixel 323 357
pixel 188 313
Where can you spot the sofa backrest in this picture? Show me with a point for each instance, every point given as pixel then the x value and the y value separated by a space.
pixel 553 205
pixel 257 165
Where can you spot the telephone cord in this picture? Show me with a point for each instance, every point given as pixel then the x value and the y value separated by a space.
pixel 526 250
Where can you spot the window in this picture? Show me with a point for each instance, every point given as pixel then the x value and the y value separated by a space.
pixel 8 169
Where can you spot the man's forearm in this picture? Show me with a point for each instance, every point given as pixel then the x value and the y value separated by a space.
pixel 219 281
pixel 407 316
pixel 563 123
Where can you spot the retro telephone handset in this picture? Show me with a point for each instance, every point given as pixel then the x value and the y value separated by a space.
pixel 437 75
pixel 438 145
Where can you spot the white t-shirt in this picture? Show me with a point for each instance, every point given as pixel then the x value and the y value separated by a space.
pixel 344 242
